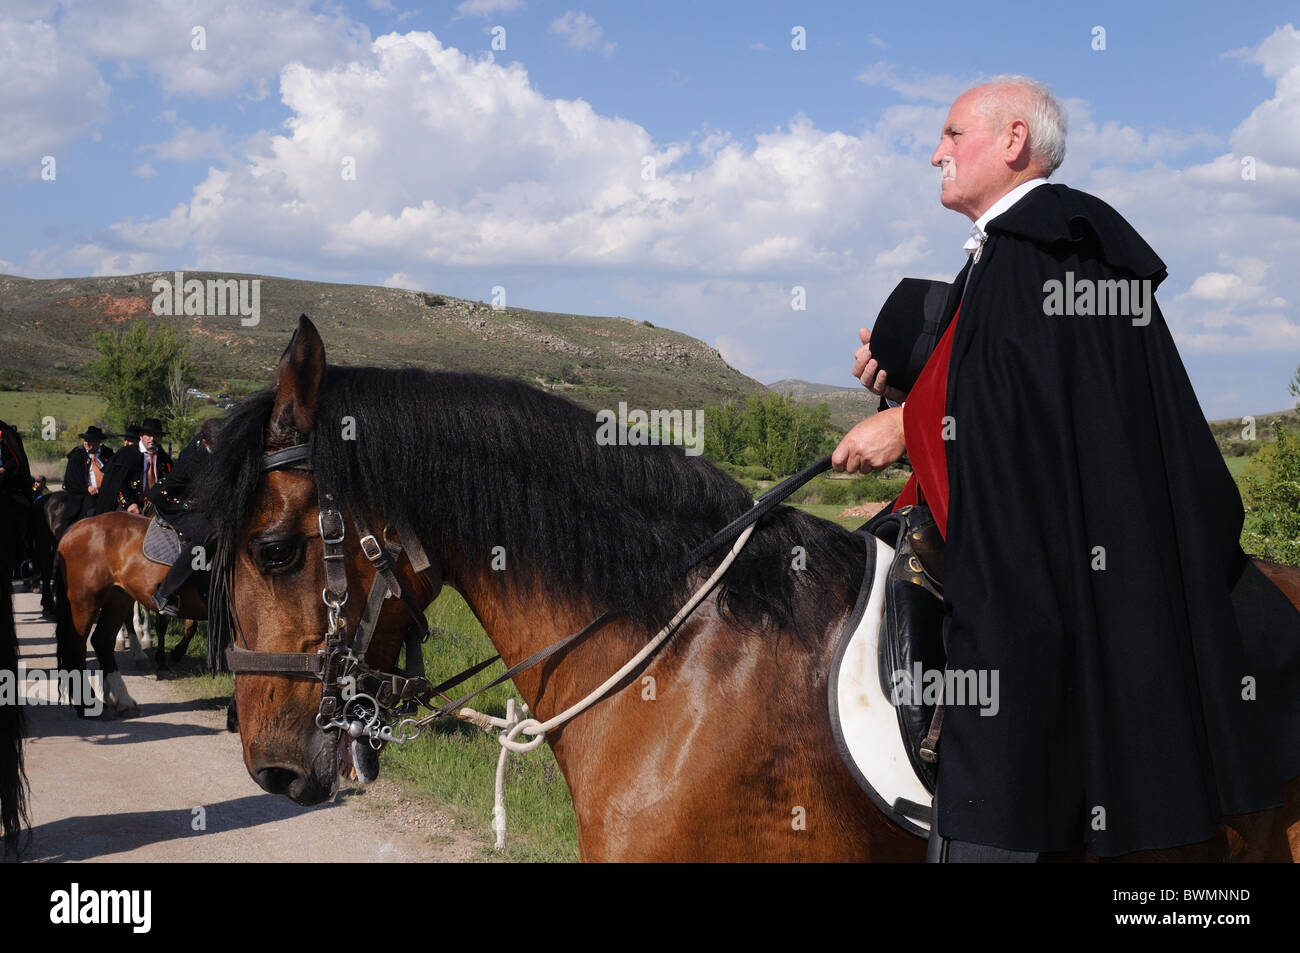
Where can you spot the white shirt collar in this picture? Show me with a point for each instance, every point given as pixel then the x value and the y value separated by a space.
pixel 977 234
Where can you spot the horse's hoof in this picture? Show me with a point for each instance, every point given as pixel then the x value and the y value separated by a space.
pixel 119 644
pixel 130 711
pixel 146 643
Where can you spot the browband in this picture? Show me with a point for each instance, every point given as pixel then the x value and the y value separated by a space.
pixel 283 459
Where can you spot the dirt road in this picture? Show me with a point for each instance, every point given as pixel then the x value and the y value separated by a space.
pixel 171 785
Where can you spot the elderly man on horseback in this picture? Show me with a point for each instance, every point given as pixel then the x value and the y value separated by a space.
pixel 1091 528
pixel 175 500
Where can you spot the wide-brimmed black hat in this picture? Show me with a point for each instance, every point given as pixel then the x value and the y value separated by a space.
pixel 152 426
pixel 93 434
pixel 907 329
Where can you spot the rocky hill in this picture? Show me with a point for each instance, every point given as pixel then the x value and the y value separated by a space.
pixel 46 329
pixel 847 405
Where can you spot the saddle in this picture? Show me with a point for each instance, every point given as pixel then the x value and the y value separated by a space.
pixel 884 730
pixel 162 544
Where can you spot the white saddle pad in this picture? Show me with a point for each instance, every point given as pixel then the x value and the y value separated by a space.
pixel 863 718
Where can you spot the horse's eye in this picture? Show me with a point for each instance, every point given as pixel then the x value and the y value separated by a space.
pixel 278 555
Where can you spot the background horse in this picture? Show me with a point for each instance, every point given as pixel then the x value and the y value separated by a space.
pixel 13 782
pixel 100 572
pixel 47 526
pixel 719 747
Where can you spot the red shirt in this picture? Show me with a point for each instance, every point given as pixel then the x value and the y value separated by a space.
pixel 923 428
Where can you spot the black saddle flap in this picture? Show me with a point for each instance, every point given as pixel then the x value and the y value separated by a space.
pixel 911 642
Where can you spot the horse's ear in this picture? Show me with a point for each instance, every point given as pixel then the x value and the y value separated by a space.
pixel 297 387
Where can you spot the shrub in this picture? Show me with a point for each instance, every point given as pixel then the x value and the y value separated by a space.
pixel 1271 494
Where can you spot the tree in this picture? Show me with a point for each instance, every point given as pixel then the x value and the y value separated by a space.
pixel 723 440
pixel 1271 493
pixel 770 431
pixel 180 404
pixel 1294 386
pixel 134 370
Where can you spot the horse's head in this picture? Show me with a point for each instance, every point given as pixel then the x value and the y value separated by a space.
pixel 284 595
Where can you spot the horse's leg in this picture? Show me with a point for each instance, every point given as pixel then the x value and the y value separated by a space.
pixel 132 632
pixel 116 611
pixel 146 623
pixel 76 604
pixel 160 642
pixel 178 653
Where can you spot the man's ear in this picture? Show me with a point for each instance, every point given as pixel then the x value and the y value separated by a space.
pixel 1015 138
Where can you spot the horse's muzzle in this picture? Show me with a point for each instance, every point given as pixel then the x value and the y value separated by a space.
pixel 304 784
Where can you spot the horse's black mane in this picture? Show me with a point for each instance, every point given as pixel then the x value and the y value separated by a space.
pixel 470 462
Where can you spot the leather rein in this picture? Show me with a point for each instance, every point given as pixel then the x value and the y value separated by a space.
pixel 355 697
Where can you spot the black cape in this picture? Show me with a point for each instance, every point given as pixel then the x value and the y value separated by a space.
pixel 175 496
pixel 123 480
pixel 80 501
pixel 1126 711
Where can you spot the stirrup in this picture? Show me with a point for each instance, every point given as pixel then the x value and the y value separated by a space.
pixel 170 607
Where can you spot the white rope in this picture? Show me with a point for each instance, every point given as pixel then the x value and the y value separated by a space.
pixel 513 726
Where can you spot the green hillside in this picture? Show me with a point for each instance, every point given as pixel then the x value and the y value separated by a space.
pixel 46 328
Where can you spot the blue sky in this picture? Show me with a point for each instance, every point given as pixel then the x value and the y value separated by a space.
pixel 773 167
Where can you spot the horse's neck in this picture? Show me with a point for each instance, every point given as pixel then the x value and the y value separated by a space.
pixel 520 623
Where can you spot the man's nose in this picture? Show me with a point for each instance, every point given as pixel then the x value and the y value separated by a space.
pixel 937 157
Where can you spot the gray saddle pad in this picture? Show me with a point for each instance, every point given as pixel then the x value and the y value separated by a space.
pixel 162 544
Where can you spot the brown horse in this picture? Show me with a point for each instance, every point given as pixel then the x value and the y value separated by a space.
pixel 718 747
pixel 100 573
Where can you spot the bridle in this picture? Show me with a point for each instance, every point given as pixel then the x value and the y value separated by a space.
pixel 355 697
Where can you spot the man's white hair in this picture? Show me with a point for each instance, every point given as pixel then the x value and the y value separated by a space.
pixel 1011 96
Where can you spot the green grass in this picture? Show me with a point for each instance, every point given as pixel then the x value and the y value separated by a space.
pixel 20 408
pixel 831 512
pixel 189 674
pixel 1237 466
pixel 455 765
pixel 72 412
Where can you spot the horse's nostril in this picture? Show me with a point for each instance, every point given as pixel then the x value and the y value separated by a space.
pixel 276 780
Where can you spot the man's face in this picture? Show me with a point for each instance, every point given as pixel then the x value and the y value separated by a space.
pixel 90 446
pixel 970 156
pixel 147 441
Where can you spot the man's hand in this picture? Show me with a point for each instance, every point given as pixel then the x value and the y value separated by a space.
pixel 869 373
pixel 93 490
pixel 872 444
pixel 133 509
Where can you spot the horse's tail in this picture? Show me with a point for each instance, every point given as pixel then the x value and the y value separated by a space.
pixel 13 780
pixel 69 646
